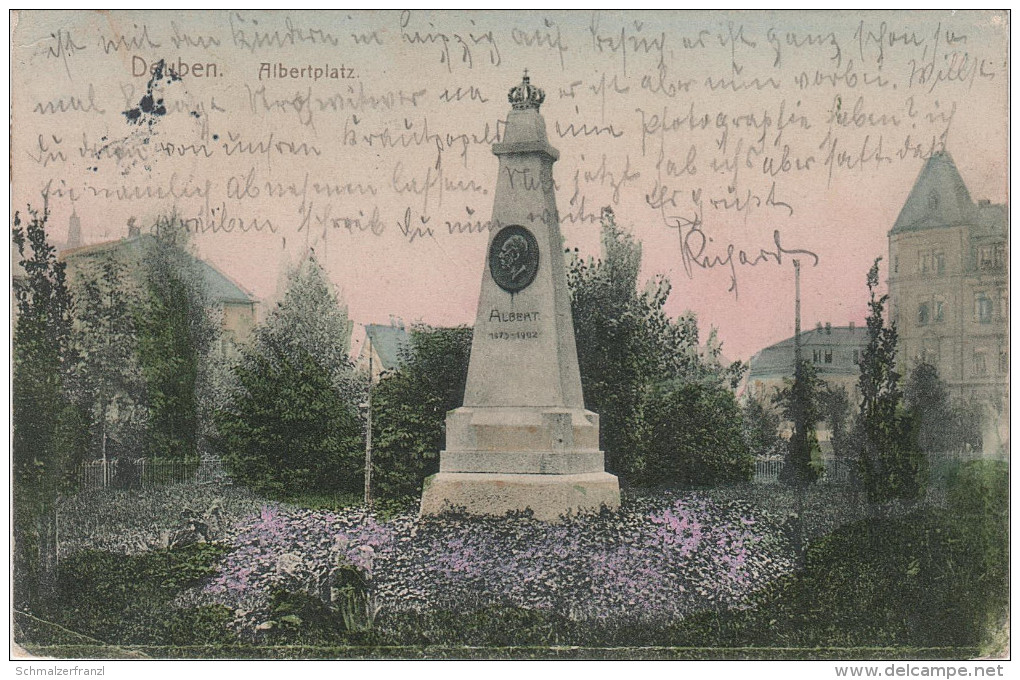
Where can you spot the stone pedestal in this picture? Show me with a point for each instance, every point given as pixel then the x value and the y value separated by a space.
pixel 499 459
pixel 523 438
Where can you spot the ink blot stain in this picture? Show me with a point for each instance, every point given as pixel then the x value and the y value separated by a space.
pixel 151 105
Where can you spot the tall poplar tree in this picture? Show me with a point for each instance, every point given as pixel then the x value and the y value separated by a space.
pixel 892 464
pixel 48 427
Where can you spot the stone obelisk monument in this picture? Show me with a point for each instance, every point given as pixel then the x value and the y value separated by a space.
pixel 523 438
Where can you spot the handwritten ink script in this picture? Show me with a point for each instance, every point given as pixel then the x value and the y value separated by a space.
pixel 727 143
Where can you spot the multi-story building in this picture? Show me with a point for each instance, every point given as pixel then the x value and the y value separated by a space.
pixel 949 291
pixel 236 306
pixel 833 350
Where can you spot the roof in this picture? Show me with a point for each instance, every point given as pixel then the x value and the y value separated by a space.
pixel 939 198
pixel 833 336
pixel 389 343
pixel 778 358
pixel 992 218
pixel 221 288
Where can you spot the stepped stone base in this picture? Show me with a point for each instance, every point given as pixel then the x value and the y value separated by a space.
pixel 502 458
pixel 548 496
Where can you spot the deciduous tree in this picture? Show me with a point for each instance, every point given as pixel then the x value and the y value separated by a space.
pixel 292 423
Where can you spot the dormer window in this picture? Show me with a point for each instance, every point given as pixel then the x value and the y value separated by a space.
pixel 933 200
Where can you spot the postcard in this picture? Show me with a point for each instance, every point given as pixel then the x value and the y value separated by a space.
pixel 511 335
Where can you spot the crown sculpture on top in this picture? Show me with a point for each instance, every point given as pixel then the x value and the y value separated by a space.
pixel 526 95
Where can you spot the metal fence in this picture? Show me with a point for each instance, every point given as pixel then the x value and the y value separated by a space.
pixel 840 471
pixel 766 470
pixel 144 474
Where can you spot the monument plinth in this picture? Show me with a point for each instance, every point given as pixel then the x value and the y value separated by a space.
pixel 523 439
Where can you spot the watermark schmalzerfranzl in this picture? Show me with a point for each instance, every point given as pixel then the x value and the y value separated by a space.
pixel 58 670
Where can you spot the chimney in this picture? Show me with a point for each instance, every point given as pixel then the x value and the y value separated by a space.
pixel 133 228
pixel 984 202
pixel 818 326
pixel 828 328
pixel 851 326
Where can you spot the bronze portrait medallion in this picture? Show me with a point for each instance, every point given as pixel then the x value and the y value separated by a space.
pixel 513 258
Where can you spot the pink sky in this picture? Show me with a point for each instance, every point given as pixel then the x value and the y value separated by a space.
pixel 627 83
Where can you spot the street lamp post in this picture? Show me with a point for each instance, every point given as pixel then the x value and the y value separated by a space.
pixel 368 428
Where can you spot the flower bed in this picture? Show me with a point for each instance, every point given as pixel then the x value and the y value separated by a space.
pixel 659 557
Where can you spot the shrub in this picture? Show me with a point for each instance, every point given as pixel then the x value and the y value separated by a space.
pixel 129 599
pixel 925 579
pixel 692 436
pixel 288 431
pixel 761 428
pixel 409 410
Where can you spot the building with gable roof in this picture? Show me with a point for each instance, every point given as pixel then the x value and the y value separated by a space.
pixel 949 290
pixel 237 307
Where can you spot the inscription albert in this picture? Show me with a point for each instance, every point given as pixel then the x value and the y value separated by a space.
pixel 513 258
pixel 509 317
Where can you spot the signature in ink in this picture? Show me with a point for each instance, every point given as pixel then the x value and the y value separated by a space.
pixel 695 246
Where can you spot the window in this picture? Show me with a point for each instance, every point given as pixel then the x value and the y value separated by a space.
pixel 1003 362
pixel 1003 303
pixel 980 366
pixel 939 314
pixel 931 262
pixel 922 314
pixel 896 265
pixel 933 200
pixel 992 256
pixel 857 356
pixel 816 356
pixel 982 308
pixel 828 356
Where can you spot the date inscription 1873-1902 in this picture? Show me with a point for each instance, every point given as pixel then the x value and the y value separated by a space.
pixel 513 258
